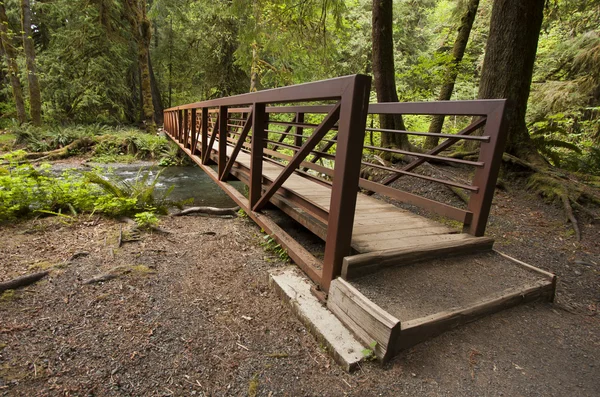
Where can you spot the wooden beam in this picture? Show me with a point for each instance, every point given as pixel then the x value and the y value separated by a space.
pixel 362 264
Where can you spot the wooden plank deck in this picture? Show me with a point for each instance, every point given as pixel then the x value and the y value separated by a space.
pixel 377 225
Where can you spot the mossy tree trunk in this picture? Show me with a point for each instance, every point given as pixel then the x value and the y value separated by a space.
pixel 141 30
pixel 11 60
pixel 156 98
pixel 383 71
pixel 458 51
pixel 35 95
pixel 508 67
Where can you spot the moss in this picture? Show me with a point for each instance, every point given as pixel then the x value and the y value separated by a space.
pixel 44 265
pixel 253 387
pixel 2 346
pixel 142 269
pixel 11 373
pixel 8 295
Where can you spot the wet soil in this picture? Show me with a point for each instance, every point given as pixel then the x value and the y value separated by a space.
pixel 194 316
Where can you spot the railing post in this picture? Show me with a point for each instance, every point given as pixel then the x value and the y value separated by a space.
pixel 186 143
pixel 299 130
pixel 204 132
pixel 259 118
pixel 351 134
pixel 490 153
pixel 223 117
pixel 179 124
pixel 194 133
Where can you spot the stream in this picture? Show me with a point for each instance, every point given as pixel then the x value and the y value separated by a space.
pixel 188 181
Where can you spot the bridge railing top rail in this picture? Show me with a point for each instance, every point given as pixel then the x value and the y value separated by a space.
pixel 321 130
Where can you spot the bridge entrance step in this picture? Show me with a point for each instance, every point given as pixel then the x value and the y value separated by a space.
pixel 398 307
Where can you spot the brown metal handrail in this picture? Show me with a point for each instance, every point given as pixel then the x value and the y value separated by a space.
pixel 222 128
pixel 189 125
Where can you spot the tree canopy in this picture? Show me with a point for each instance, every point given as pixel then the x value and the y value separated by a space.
pixel 121 62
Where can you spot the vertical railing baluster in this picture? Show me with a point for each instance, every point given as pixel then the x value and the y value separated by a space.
pixel 179 124
pixel 259 118
pixel 490 153
pixel 223 120
pixel 186 123
pixel 194 132
pixel 299 130
pixel 344 190
pixel 204 132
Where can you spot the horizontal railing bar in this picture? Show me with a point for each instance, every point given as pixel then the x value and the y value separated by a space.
pixel 404 132
pixel 303 125
pixel 296 148
pixel 315 167
pixel 427 156
pixel 298 135
pixel 320 90
pixel 425 177
pixel 440 208
pixel 288 133
pixel 479 107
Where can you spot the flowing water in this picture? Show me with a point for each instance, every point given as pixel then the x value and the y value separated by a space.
pixel 188 181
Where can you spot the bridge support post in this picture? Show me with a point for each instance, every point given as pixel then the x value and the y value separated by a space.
pixel 179 124
pixel 186 126
pixel 259 118
pixel 204 132
pixel 490 153
pixel 351 134
pixel 194 133
pixel 223 119
pixel 299 130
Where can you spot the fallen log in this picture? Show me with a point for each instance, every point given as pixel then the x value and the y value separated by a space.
pixel 209 211
pixel 22 281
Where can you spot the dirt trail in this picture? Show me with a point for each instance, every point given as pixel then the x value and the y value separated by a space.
pixel 194 316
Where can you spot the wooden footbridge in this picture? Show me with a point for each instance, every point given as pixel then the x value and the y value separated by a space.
pixel 302 149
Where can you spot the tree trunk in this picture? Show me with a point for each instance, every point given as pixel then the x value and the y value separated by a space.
pixel 13 69
pixel 141 29
pixel 508 67
pixel 156 99
pixel 383 71
pixel 254 68
pixel 35 96
pixel 171 61
pixel 458 51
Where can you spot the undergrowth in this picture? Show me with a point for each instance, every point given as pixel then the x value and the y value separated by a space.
pixel 269 244
pixel 108 144
pixel 26 190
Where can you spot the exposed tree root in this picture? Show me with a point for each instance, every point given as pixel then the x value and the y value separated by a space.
pixel 463 154
pixel 569 188
pixel 209 211
pixel 569 211
pixel 22 281
pixel 111 274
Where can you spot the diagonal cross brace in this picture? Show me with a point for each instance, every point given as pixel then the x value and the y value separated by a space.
pixel 237 148
pixel 439 148
pixel 300 155
pixel 212 141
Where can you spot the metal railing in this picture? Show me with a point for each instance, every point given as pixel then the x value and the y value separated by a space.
pixel 326 143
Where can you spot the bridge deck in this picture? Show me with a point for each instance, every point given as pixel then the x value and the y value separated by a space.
pixel 377 225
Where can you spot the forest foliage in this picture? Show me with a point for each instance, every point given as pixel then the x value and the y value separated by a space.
pixel 88 58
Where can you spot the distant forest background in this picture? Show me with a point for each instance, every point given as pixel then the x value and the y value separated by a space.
pixel 105 61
